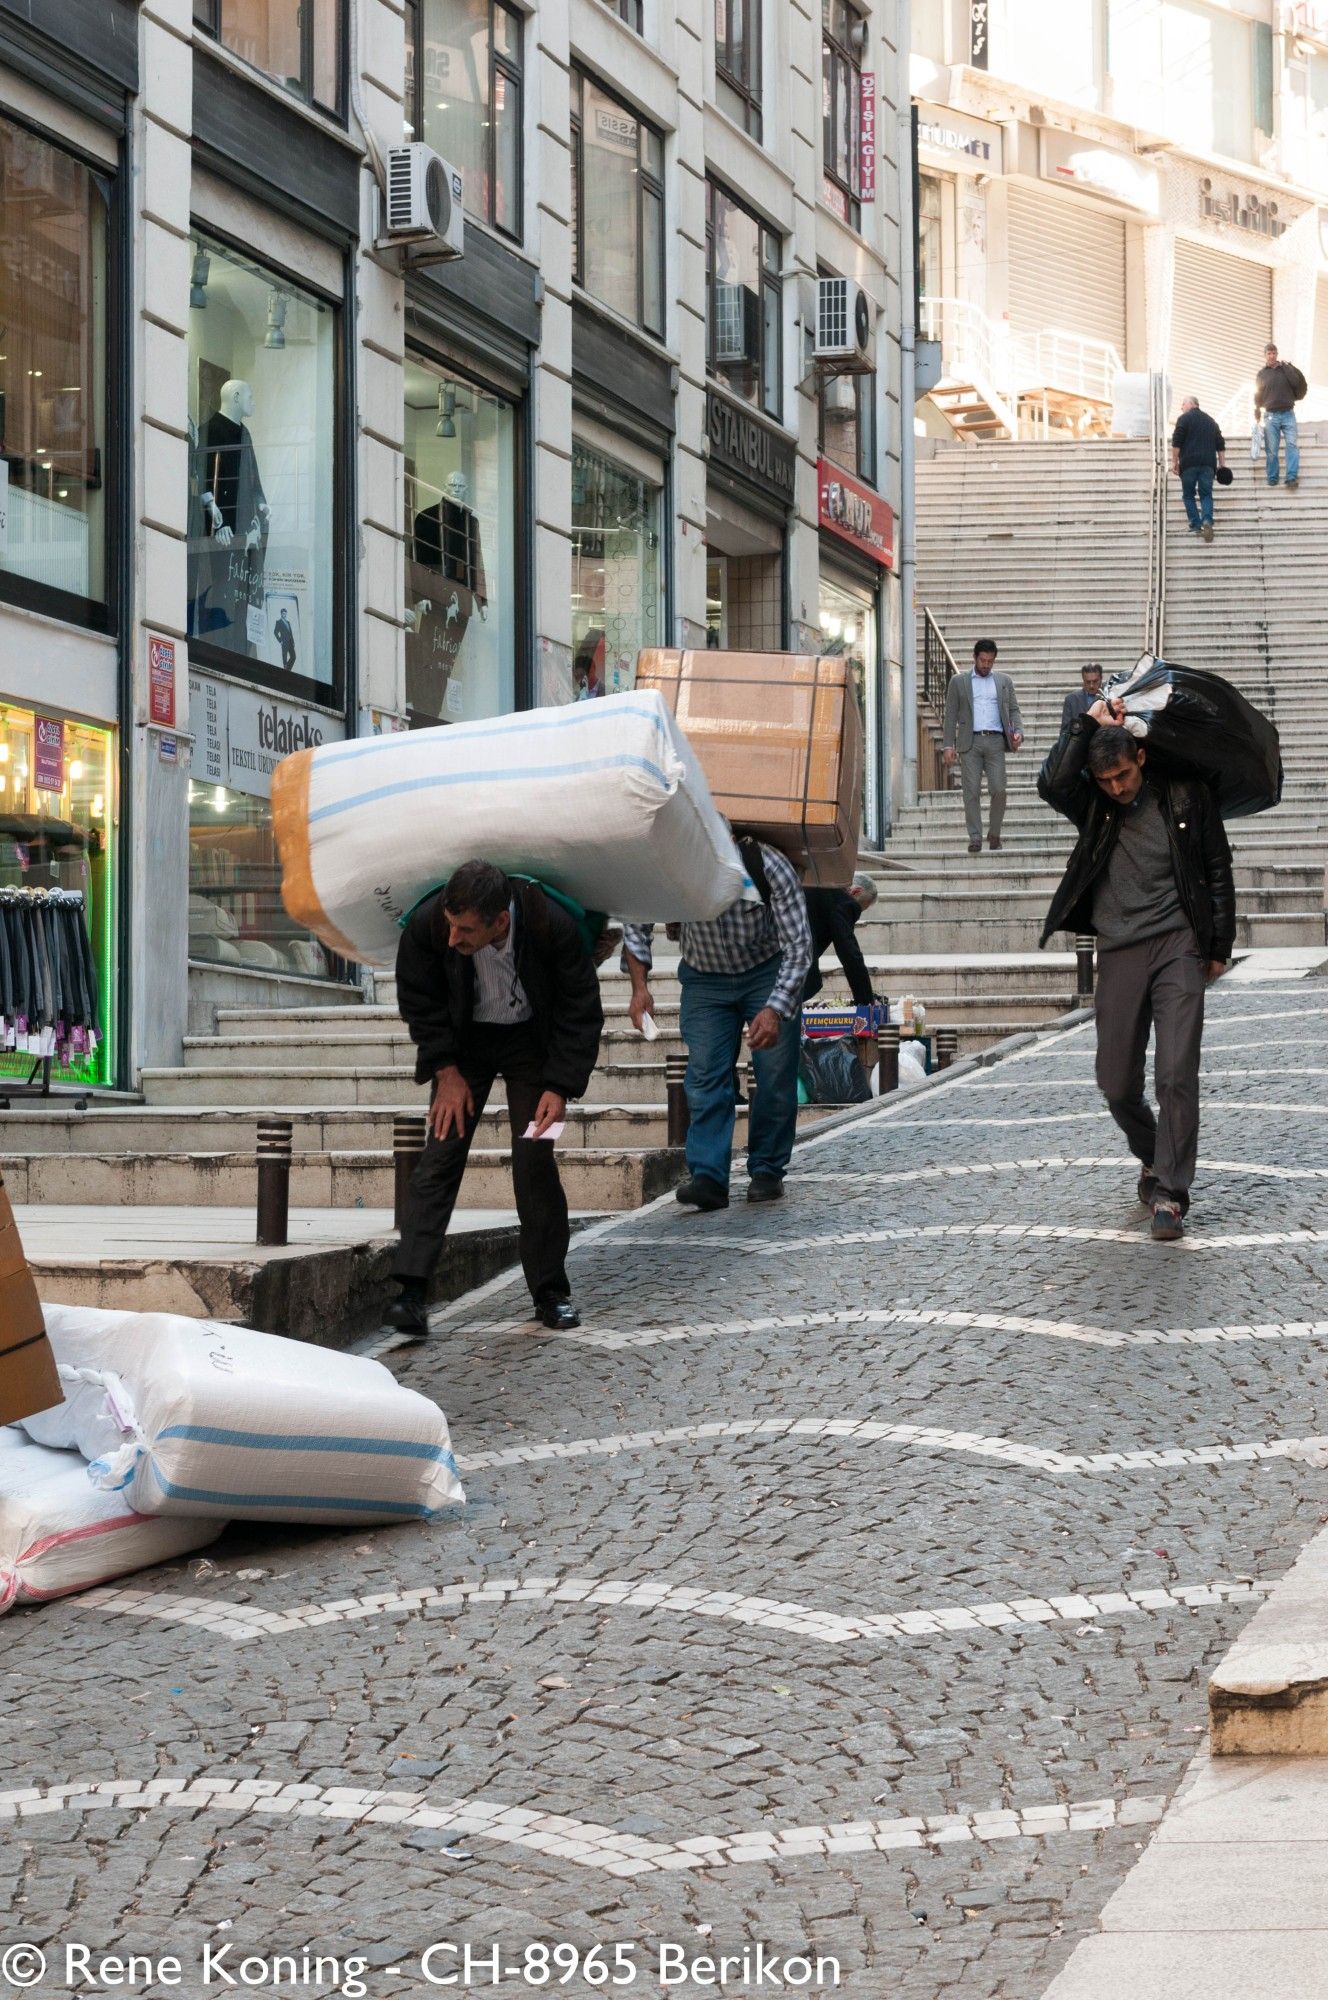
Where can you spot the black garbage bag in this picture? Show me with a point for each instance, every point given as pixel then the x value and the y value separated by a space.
pixel 830 1073
pixel 1195 723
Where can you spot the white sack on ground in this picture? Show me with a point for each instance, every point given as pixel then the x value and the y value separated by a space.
pixel 193 1417
pixel 604 800
pixel 59 1533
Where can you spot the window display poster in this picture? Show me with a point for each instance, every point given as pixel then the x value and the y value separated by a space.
pixel 280 635
pixel 48 773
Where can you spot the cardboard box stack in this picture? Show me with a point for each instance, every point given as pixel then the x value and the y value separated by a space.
pixel 779 738
pixel 28 1381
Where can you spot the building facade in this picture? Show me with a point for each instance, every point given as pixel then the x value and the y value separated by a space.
pixel 264 484
pixel 1110 187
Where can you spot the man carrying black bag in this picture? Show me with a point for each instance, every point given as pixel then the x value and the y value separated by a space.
pixel 1151 875
pixel 494 979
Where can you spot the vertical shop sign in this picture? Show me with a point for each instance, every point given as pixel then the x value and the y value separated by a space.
pixel 161 682
pixel 867 137
pixel 979 23
pixel 48 754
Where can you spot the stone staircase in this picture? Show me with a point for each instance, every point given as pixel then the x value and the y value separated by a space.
pixel 1046 547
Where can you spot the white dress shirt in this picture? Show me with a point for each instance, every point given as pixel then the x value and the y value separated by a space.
pixel 986 702
pixel 500 998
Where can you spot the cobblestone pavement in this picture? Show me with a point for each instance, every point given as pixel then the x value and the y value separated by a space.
pixel 794 1603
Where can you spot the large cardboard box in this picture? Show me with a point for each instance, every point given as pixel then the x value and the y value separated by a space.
pixel 779 738
pixel 28 1381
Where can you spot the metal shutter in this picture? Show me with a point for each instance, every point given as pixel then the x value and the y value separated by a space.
pixel 1067 268
pixel 1318 368
pixel 1221 320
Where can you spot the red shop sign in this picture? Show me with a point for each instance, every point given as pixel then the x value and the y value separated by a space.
pixel 161 682
pixel 852 511
pixel 48 754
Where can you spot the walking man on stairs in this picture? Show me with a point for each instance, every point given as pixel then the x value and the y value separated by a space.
pixel 1198 448
pixel 982 721
pixel 1278 389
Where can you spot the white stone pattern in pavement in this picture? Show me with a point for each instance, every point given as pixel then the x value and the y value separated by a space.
pixel 244 1623
pixel 1042 1163
pixel 582 1842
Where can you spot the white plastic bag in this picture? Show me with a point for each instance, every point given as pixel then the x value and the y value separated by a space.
pixel 192 1417
pixel 59 1533
pixel 604 800
pixel 912 1064
pixel 1256 443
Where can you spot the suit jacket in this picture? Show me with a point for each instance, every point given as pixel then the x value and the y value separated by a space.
pixel 1077 702
pixel 959 710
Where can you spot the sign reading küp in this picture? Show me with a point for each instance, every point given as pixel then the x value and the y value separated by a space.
pixel 161 681
pixel 867 137
pixel 856 514
pixel 48 759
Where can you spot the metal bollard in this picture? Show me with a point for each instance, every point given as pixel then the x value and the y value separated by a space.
pixel 675 1075
pixel 887 1057
pixel 947 1046
pixel 274 1171
pixel 1084 948
pixel 408 1137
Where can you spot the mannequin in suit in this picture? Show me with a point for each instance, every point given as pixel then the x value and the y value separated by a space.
pixel 229 566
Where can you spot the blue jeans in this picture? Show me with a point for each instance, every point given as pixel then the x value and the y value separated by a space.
pixel 1196 483
pixel 1279 424
pixel 716 1006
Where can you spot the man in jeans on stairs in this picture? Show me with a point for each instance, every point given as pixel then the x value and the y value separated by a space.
pixel 1197 449
pixel 1278 389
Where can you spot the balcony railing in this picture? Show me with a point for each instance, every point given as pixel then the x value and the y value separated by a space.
pixel 1054 363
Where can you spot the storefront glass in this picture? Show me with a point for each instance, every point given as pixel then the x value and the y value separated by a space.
pixel 236 916
pixel 58 847
pixel 461 584
pixel 617 604
pixel 52 366
pixel 263 420
pixel 848 630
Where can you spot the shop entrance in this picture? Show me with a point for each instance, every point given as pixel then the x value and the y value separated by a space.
pixel 744 578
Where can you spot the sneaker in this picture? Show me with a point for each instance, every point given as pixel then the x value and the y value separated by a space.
pixel 1194 527
pixel 701 1193
pixel 1207 531
pixel 764 1187
pixel 1168 1223
pixel 1147 1187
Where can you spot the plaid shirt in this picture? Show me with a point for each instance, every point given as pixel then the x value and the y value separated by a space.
pixel 746 935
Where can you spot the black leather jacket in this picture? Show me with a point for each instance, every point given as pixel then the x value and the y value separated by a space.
pixel 1199 850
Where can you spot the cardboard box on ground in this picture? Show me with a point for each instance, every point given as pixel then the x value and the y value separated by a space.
pixel 779 738
pixel 28 1381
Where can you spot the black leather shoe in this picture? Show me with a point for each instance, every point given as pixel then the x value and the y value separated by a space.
pixel 701 1193
pixel 559 1315
pixel 763 1188
pixel 408 1316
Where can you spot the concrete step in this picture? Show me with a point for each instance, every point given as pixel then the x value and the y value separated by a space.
pixel 1008 934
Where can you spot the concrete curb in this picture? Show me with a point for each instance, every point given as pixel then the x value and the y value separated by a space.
pixel 1269 1696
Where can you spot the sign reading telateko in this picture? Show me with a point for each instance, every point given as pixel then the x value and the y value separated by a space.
pixel 242 734
pixel 852 511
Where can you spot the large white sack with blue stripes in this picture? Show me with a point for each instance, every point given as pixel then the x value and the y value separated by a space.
pixel 194 1417
pixel 604 800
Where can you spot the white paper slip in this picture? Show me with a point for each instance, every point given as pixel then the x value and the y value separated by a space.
pixel 554 1131
pixel 648 1028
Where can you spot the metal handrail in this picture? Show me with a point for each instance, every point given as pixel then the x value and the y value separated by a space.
pixel 1158 431
pixel 1071 361
pixel 1052 359
pixel 939 665
pixel 1237 413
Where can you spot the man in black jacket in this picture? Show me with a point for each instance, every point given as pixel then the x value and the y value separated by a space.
pixel 1151 875
pixel 832 914
pixel 494 979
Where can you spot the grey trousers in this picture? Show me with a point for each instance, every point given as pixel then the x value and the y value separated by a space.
pixel 987 754
pixel 1160 984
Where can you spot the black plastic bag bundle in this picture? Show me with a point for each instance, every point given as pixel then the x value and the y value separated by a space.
pixel 1196 723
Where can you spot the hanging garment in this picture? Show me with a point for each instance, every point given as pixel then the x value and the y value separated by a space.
pixel 48 977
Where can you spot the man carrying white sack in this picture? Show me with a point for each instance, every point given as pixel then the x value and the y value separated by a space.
pixel 744 968
pixel 494 980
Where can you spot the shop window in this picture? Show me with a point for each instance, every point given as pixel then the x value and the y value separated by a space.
pixel 630 11
pixel 616 581
pixel 461 571
pixel 53 213
pixel 617 205
pixel 236 917
pixel 58 852
pixel 463 97
pixel 738 62
pixel 848 631
pixel 847 423
pixel 297 43
pixel 931 238
pixel 843 44
pixel 263 558
pixel 744 317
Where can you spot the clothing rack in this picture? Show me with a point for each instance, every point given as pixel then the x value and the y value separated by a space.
pixel 48 989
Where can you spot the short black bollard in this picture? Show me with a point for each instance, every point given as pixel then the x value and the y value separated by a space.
pixel 408 1137
pixel 887 1057
pixel 274 1171
pixel 675 1085
pixel 1084 948
pixel 947 1046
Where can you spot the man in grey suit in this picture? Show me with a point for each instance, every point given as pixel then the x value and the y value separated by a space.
pixel 981 719
pixel 1079 700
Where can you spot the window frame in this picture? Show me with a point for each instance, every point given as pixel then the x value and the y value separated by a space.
pixel 207 17
pixel 513 73
pixel 749 46
pixel 839 56
pixel 769 399
pixel 865 391
pixel 647 183
pixel 630 12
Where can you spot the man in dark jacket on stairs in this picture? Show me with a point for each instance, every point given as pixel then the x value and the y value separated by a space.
pixel 494 980
pixel 1151 875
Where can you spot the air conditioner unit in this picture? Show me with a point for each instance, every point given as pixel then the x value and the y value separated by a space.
pixel 422 206
pixel 844 324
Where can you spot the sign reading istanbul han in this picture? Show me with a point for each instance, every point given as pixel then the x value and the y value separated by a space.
pixel 741 444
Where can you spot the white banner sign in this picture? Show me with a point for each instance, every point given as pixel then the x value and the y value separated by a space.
pixel 241 734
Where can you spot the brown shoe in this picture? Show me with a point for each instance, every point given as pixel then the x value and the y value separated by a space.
pixel 994 844
pixel 1292 484
pixel 1208 531
pixel 975 847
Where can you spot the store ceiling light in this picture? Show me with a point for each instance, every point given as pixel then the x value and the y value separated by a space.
pixel 76 770
pixel 446 425
pixel 275 337
pixel 198 280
